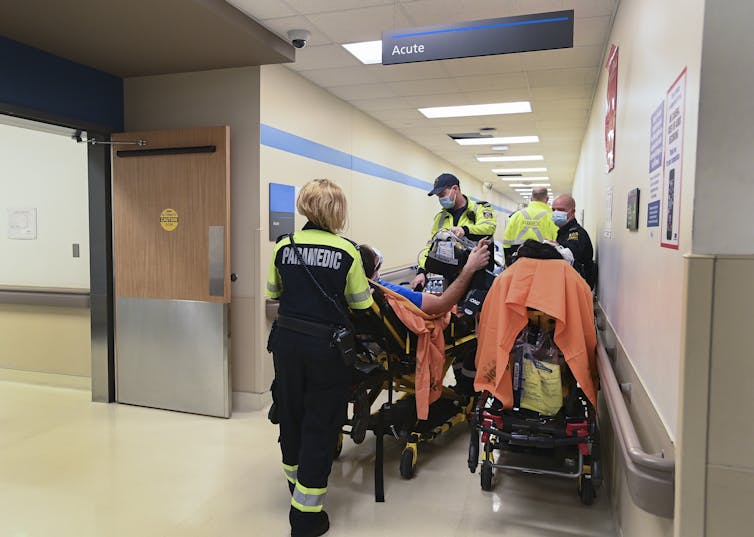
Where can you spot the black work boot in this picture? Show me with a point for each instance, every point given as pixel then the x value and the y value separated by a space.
pixel 309 524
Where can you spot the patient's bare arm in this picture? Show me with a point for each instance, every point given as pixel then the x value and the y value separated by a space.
pixel 478 259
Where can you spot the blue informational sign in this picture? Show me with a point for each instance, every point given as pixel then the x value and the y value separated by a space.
pixel 542 31
pixel 653 214
pixel 282 209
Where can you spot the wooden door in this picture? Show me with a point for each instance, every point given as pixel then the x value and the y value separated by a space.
pixel 171 247
pixel 171 205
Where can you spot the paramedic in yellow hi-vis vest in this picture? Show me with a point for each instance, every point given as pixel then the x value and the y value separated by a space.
pixel 532 222
pixel 316 275
pixel 464 217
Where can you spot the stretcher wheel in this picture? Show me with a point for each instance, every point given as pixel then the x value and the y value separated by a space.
pixel 338 446
pixel 586 489
pixel 486 476
pixel 408 461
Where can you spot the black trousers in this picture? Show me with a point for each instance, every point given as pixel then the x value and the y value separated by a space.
pixel 311 392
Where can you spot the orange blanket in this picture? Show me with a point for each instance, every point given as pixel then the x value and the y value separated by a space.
pixel 550 286
pixel 430 351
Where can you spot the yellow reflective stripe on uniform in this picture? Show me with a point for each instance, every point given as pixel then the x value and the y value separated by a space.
pixel 358 298
pixel 273 287
pixel 527 228
pixel 291 473
pixel 308 500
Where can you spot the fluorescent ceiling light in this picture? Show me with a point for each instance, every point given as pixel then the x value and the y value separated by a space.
pixel 524 185
pixel 368 52
pixel 515 179
pixel 509 158
pixel 499 140
pixel 468 110
pixel 499 148
pixel 518 170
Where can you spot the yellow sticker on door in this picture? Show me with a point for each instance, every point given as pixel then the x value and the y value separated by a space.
pixel 169 219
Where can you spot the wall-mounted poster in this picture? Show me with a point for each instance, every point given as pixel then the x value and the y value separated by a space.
pixel 22 224
pixel 632 210
pixel 612 104
pixel 674 121
pixel 656 145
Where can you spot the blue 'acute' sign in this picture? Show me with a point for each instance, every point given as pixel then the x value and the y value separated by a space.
pixel 542 31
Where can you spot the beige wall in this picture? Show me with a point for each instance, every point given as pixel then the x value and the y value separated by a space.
pixel 45 339
pixel 641 287
pixel 716 473
pixel 641 284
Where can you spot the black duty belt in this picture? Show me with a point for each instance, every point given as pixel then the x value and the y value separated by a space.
pixel 305 327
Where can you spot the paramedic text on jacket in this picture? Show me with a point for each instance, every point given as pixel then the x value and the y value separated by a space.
pixel 312 382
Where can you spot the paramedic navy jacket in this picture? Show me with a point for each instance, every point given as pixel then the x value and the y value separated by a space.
pixel 478 220
pixel 334 262
pixel 575 238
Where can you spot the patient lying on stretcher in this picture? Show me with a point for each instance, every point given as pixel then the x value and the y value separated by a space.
pixel 432 304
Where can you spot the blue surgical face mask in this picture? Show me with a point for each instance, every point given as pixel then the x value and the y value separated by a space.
pixel 447 202
pixel 560 218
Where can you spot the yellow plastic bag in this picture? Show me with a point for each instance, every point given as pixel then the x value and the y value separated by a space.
pixel 543 391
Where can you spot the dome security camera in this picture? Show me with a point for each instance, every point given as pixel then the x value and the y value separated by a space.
pixel 299 38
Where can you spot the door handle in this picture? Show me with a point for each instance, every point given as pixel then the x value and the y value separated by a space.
pixel 233 276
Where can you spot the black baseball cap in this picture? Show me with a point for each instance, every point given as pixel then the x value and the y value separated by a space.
pixel 442 182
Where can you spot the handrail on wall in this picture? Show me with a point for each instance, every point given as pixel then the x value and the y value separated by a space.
pixel 651 478
pixel 44 296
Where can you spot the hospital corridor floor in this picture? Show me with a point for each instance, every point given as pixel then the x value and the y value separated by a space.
pixel 70 467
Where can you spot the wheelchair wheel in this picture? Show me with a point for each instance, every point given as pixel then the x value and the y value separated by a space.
pixel 586 490
pixel 473 449
pixel 339 445
pixel 408 461
pixel 486 476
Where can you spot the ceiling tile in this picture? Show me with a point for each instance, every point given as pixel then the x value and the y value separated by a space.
pixel 282 25
pixel 564 58
pixel 562 77
pixel 592 8
pixel 410 71
pixel 369 105
pixel 263 10
pixel 322 6
pixel 551 93
pixel 501 63
pixel 424 87
pixel 591 31
pixel 364 24
pixel 491 82
pixel 363 91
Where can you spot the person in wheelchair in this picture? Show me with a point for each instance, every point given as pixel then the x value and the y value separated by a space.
pixel 432 304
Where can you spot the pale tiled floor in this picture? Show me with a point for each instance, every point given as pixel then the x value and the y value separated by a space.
pixel 69 467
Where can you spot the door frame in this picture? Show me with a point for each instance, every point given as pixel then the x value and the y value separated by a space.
pixel 102 318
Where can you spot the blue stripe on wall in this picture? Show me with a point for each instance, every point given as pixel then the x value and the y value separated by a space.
pixel 33 79
pixel 285 141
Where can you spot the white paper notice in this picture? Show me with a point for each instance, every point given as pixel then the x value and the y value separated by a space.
pixel 22 224
pixel 671 189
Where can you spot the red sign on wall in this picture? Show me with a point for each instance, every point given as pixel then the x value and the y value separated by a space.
pixel 612 103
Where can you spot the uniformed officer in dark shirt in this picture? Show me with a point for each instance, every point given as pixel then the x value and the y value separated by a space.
pixel 574 237
pixel 316 277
